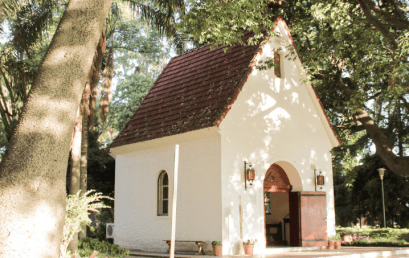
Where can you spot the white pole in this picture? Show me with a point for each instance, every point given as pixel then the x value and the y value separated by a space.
pixel 241 248
pixel 175 192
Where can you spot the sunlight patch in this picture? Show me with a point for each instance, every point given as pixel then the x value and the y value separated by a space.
pixel 294 97
pixel 266 102
pixel 274 119
pixel 313 154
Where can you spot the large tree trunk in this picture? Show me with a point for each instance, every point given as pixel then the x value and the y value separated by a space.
pixel 86 110
pixel 399 165
pixel 32 173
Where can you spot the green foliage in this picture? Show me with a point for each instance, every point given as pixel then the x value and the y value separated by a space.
pixel 352 65
pixel 335 238
pixel 378 242
pixel 87 245
pixel 250 242
pixel 216 243
pixel 140 53
pixel 77 215
pixel 32 25
pixel 222 22
pixel 376 234
pixel 100 167
pixel 366 195
pixel 129 93
pixel 104 217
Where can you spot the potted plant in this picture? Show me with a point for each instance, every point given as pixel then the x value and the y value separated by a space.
pixel 332 240
pixel 338 241
pixel 249 246
pixel 217 248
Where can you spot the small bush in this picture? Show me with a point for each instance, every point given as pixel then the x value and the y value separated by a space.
pixel 386 237
pixel 87 245
pixel 76 215
pixel 378 242
pixel 335 238
pixel 375 233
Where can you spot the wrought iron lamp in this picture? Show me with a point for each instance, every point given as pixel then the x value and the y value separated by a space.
pixel 249 174
pixel 319 179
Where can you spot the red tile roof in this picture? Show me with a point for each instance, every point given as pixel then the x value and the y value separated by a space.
pixel 194 91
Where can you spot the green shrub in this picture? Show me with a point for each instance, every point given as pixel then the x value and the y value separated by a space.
pixel 378 242
pixel 376 233
pixel 87 245
pixel 335 238
pixel 105 216
pixel 386 237
pixel 76 215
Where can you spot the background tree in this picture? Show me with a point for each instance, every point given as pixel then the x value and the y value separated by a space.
pixel 33 188
pixel 355 52
pixel 357 60
pixel 358 71
pixel 31 26
pixel 367 196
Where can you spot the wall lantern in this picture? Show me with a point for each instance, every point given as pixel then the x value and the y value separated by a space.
pixel 249 174
pixel 267 203
pixel 319 179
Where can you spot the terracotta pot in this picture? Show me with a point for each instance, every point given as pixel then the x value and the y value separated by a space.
pixel 218 250
pixel 330 245
pixel 248 249
pixel 337 244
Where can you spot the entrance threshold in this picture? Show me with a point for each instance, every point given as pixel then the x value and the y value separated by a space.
pixel 282 249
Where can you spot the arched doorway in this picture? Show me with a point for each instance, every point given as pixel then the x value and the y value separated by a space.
pixel 276 206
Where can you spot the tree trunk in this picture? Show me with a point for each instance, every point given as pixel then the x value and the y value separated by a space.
pixel 32 173
pixel 75 168
pixel 76 155
pixel 86 110
pixel 84 147
pixel 399 165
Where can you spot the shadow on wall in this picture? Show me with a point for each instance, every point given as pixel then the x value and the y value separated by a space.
pixel 271 119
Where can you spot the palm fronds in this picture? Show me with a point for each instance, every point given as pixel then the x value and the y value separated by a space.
pixel 162 14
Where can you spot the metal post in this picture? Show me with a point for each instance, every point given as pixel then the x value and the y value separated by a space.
pixel 383 204
pixel 381 174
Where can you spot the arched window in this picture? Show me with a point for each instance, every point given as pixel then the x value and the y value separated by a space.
pixel 163 193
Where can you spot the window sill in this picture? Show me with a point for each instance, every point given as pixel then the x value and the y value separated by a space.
pixel 162 217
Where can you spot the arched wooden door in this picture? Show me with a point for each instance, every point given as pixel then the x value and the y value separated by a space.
pixel 275 181
pixel 308 213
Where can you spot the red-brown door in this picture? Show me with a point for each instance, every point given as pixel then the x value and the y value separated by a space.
pixel 308 214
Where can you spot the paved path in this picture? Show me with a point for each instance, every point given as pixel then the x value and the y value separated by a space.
pixel 345 252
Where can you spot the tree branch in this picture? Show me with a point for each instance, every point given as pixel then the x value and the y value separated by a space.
pixel 398 165
pixel 398 10
pixel 400 23
pixel 378 25
pixel 405 103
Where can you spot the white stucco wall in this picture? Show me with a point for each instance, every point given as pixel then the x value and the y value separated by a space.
pixel 199 192
pixel 273 120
